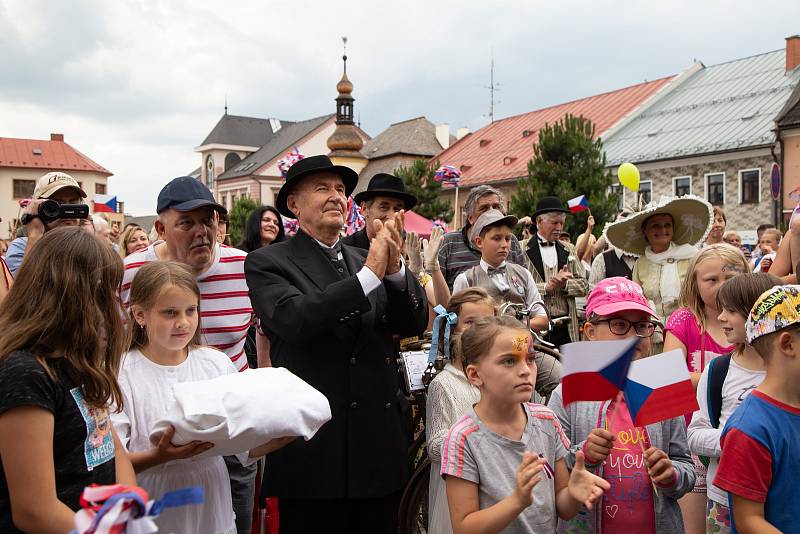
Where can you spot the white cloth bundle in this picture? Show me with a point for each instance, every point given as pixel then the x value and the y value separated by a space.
pixel 237 412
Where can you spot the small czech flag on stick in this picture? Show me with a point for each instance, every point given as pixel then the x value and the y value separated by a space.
pixel 659 388
pixel 595 370
pixel 578 204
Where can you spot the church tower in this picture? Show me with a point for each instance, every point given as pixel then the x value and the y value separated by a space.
pixel 345 143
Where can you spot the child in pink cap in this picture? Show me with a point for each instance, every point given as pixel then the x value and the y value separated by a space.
pixel 632 459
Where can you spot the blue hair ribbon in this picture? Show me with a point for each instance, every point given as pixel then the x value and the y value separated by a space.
pixel 449 320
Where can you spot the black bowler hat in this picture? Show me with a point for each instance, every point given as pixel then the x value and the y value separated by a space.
pixel 306 167
pixel 186 194
pixel 386 185
pixel 548 205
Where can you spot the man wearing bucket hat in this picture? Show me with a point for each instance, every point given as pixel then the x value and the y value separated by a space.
pixel 665 235
pixel 57 186
pixel 384 196
pixel 330 311
pixel 556 269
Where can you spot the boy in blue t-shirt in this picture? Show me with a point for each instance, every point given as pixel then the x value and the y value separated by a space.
pixel 760 459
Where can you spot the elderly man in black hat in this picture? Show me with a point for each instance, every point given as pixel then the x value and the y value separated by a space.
pixel 556 269
pixel 384 196
pixel 330 311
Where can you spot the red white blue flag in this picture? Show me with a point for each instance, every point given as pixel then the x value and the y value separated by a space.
pixel 577 204
pixel 447 174
pixel 105 204
pixel 595 370
pixel 286 162
pixel 355 221
pixel 659 388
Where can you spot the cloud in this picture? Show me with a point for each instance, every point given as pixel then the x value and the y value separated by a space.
pixel 136 85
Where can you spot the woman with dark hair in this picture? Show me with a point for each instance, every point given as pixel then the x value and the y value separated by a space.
pixel 61 341
pixel 263 226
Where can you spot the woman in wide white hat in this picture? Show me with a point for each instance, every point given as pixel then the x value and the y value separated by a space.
pixel 665 235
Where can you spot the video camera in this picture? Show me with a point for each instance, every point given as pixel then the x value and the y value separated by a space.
pixel 51 210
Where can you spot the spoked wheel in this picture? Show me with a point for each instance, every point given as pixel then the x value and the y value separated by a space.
pixel 413 513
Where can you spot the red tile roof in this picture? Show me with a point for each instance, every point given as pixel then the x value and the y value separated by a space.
pixel 56 155
pixel 501 150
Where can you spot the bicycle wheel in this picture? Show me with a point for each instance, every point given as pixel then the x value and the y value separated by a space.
pixel 413 512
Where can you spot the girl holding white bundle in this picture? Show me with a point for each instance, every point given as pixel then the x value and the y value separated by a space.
pixel 165 349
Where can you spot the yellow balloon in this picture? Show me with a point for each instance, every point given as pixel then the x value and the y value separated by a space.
pixel 629 176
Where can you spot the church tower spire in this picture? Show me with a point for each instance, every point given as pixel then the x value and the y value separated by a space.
pixel 345 142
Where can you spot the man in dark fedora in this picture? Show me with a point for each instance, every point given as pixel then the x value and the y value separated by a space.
pixel 330 311
pixel 556 269
pixel 384 196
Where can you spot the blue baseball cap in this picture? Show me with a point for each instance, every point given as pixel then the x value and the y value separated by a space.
pixel 186 194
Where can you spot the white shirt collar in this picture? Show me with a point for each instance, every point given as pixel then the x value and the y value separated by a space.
pixel 323 245
pixel 539 238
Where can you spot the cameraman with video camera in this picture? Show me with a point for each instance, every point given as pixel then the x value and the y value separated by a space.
pixel 57 201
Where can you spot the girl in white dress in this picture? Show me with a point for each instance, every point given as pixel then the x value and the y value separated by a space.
pixel 165 349
pixel 450 395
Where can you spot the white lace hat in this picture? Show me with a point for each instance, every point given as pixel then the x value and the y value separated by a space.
pixel 692 218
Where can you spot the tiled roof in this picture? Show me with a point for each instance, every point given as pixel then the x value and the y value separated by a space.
pixel 729 106
pixel 501 150
pixel 279 142
pixel 242 131
pixel 415 137
pixel 46 155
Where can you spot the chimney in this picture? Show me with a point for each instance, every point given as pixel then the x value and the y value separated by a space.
pixel 443 135
pixel 792 52
pixel 462 132
pixel 56 137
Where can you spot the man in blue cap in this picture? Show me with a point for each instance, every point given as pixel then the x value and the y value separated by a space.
pixel 188 216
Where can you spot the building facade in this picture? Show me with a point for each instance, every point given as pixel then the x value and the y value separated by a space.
pixel 24 161
pixel 712 135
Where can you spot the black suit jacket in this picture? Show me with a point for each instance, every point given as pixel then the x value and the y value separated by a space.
pixel 323 329
pixel 535 255
pixel 357 239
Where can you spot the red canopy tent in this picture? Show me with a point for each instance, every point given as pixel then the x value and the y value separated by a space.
pixel 419 224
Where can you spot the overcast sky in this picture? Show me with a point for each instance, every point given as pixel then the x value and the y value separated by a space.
pixel 136 85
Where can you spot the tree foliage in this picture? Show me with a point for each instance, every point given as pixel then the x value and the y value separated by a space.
pixel 237 217
pixel 418 180
pixel 568 162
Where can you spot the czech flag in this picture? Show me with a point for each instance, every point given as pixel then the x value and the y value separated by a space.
pixel 659 388
pixel 595 370
pixel 105 204
pixel 578 204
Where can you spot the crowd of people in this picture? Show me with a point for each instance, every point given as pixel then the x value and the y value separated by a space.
pixel 100 321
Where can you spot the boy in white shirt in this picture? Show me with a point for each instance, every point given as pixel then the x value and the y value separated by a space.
pixel 504 281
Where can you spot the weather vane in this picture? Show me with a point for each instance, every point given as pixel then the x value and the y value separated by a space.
pixel 344 56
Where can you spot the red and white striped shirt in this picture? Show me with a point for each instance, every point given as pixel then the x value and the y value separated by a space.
pixel 225 309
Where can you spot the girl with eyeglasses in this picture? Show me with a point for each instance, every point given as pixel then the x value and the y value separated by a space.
pixel 631 459
pixel 695 329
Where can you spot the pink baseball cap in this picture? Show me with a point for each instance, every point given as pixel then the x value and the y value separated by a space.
pixel 617 294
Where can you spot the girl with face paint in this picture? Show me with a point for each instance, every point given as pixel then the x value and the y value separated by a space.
pixel 503 461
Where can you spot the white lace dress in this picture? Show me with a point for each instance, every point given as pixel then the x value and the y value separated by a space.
pixel 450 395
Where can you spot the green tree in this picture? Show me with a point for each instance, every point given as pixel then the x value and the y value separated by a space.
pixel 567 162
pixel 418 180
pixel 237 217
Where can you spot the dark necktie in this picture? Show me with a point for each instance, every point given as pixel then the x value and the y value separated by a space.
pixel 334 253
pixel 491 271
pixel 546 244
